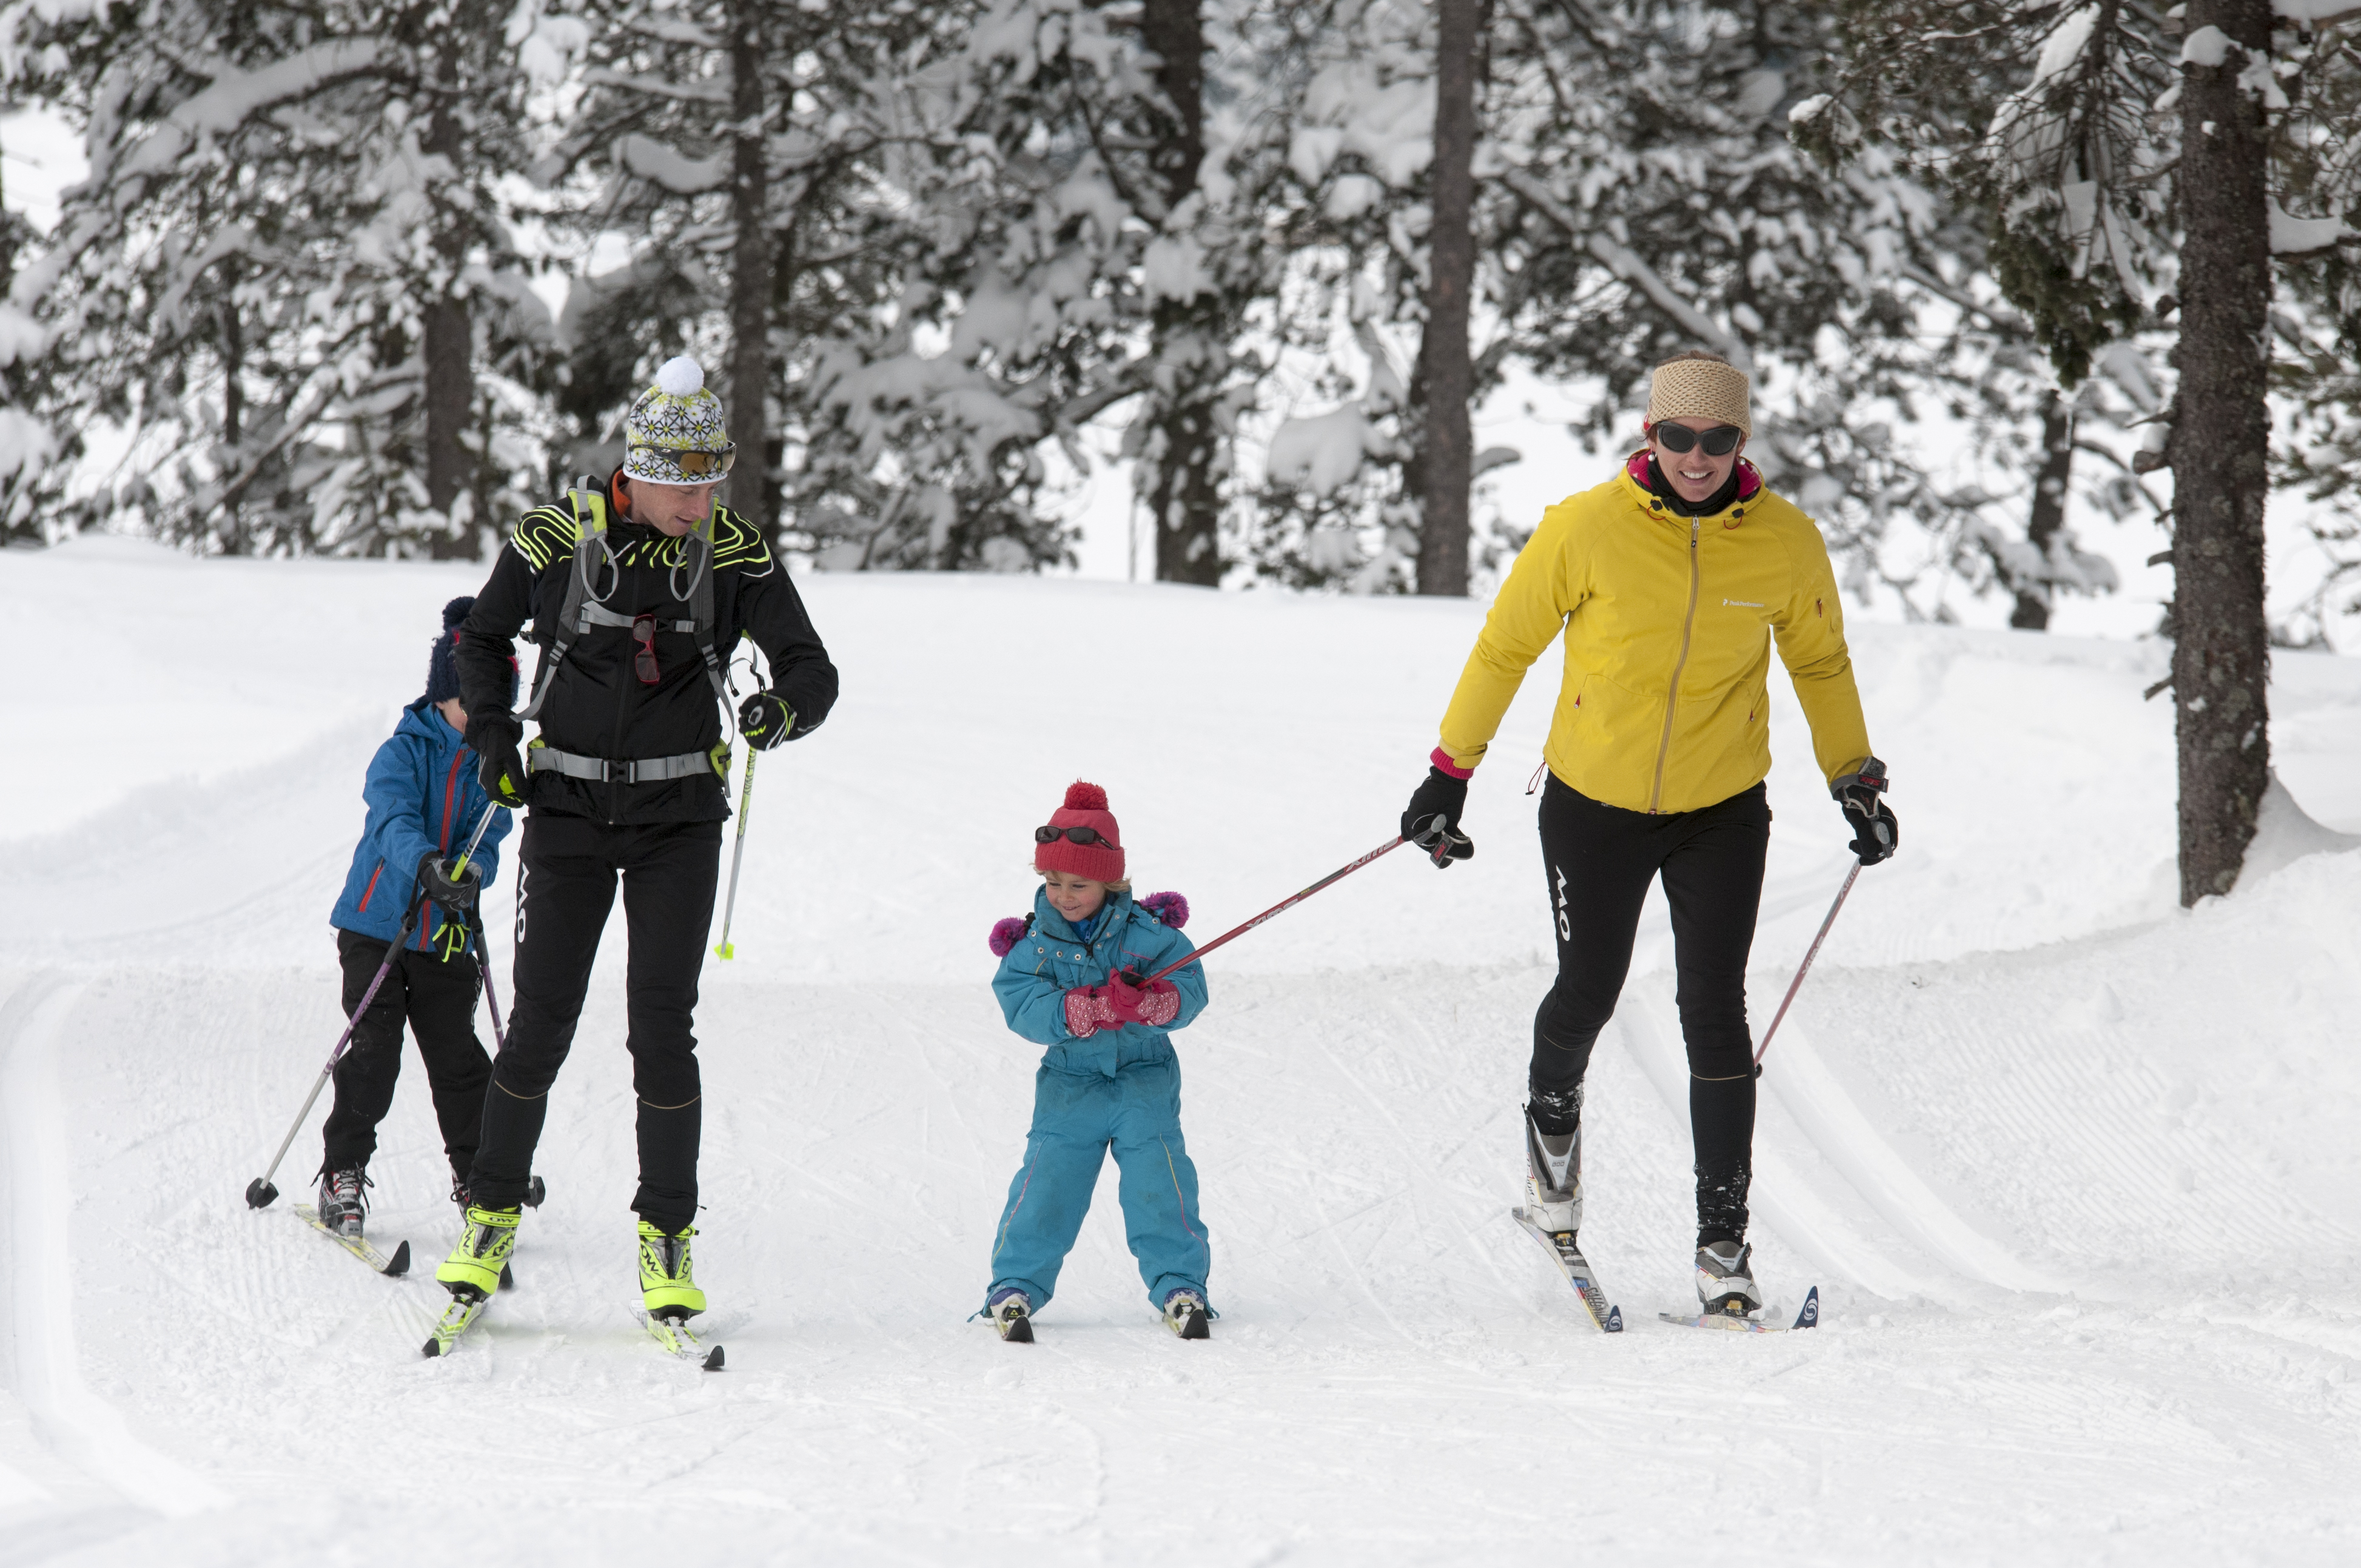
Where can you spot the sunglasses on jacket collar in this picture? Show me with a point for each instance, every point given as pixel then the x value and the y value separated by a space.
pixel 1719 442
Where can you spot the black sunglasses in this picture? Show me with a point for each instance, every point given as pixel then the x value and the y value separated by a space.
pixel 1719 442
pixel 1072 836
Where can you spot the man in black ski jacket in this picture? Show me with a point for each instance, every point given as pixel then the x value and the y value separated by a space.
pixel 637 595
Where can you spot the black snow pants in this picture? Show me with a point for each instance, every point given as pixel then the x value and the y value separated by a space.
pixel 1600 859
pixel 438 998
pixel 565 888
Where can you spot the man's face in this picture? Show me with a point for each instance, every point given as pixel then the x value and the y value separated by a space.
pixel 671 509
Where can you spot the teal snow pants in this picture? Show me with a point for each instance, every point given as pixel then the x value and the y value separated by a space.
pixel 1077 1116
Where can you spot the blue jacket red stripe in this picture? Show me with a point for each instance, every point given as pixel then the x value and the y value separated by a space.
pixel 423 799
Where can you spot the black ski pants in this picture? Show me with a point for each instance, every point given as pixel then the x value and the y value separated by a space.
pixel 565 889
pixel 1600 859
pixel 437 997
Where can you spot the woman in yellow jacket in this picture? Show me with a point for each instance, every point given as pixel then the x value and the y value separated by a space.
pixel 1672 582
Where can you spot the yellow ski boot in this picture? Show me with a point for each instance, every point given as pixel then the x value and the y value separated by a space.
pixel 667 1286
pixel 474 1266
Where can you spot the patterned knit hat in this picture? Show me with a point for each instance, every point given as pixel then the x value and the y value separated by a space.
pixel 1699 387
pixel 676 433
pixel 1086 807
pixel 442 670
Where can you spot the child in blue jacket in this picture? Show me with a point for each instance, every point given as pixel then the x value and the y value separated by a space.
pixel 424 802
pixel 1069 979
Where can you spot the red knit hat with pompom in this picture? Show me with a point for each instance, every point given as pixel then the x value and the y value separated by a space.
pixel 1086 807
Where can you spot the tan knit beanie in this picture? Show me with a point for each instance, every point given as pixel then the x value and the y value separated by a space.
pixel 1699 387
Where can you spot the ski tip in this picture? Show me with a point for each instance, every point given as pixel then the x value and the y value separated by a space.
pixel 1614 1319
pixel 1019 1331
pixel 508 1278
pixel 713 1361
pixel 534 1191
pixel 260 1194
pixel 398 1265
pixel 1809 1318
pixel 432 1348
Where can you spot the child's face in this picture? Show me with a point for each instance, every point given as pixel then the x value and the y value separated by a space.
pixel 1073 897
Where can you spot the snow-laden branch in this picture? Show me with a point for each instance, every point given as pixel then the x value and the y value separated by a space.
pixel 1628 265
pixel 676 171
pixel 2300 236
pixel 237 96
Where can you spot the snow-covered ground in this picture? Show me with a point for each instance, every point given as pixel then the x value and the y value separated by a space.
pixel 2073 1169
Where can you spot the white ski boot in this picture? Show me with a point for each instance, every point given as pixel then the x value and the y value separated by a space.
pixel 1725 1278
pixel 1554 1179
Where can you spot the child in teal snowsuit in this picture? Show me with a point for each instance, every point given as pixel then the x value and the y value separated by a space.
pixel 1069 980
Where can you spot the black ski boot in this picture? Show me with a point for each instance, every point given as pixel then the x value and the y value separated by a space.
pixel 344 1200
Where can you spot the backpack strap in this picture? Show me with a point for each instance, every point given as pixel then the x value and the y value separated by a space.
pixel 594 556
pixel 697 557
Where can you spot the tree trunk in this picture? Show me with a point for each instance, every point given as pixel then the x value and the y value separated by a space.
pixel 1446 454
pixel 2221 659
pixel 750 278
pixel 233 352
pixel 449 348
pixel 2049 487
pixel 1189 350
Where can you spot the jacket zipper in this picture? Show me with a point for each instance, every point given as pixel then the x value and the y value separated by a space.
pixel 1672 696
pixel 428 916
pixel 624 676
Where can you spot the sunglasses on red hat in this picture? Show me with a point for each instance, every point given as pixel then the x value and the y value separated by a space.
pixel 1719 442
pixel 1074 836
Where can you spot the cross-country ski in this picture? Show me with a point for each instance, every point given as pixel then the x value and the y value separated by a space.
pixel 1598 1310
pixel 679 1340
pixel 361 1247
pixel 1766 1322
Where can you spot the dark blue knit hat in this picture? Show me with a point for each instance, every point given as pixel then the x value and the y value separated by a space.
pixel 441 673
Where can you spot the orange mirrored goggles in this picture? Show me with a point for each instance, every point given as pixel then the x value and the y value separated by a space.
pixel 695 463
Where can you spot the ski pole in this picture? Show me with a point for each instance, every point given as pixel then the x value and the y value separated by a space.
pixel 737 857
pixel 484 957
pixel 260 1193
pixel 1283 905
pixel 475 837
pixel 1805 967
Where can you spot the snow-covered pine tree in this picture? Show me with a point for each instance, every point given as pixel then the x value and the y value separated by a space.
pixel 2130 175
pixel 1663 207
pixel 288 206
pixel 2318 321
pixel 32 506
pixel 1353 105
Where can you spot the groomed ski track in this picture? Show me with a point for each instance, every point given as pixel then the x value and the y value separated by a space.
pixel 2072 1168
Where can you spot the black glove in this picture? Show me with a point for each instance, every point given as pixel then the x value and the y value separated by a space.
pixel 435 882
pixel 494 737
pixel 765 721
pixel 1432 820
pixel 1875 834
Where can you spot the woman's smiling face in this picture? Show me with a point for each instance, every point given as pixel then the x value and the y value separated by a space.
pixel 1695 474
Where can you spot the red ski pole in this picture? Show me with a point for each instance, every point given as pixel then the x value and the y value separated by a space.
pixel 1810 953
pixel 1279 908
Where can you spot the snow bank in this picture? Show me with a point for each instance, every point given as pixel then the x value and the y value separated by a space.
pixel 2070 1165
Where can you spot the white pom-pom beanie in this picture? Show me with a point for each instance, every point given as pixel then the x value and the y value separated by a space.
pixel 673 417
